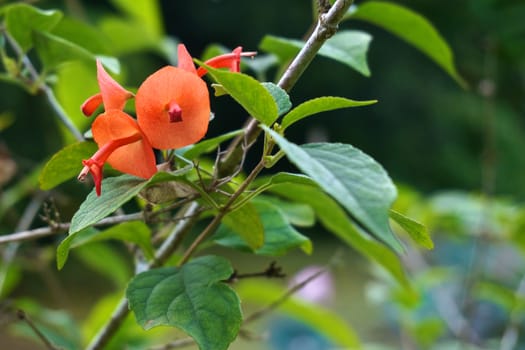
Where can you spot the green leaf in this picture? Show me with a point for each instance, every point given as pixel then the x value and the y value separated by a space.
pixel 115 192
pixel 191 298
pixel 297 214
pixel 249 93
pixel 334 219
pixel 348 47
pixel 82 34
pixel 209 145
pixel 246 223
pixel 415 230
pixel 135 232
pixel 279 236
pixel 326 322
pixel 353 178
pixel 65 164
pixel 320 104
pixel 282 99
pixel 411 27
pixel 53 50
pixel 21 20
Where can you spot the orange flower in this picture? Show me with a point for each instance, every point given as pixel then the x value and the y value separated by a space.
pixel 173 111
pixel 111 94
pixel 121 144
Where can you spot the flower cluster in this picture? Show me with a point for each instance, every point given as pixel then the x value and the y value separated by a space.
pixel 173 111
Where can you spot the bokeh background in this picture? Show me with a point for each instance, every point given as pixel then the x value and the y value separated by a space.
pixel 431 135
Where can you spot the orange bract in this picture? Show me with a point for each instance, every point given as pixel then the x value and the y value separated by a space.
pixel 135 158
pixel 155 98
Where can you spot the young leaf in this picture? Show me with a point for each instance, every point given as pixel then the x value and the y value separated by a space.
pixel 64 165
pixel 348 47
pixel 206 146
pixel 411 27
pixel 249 93
pixel 320 104
pixel 335 220
pixel 353 178
pixel 415 230
pixel 279 236
pixel 21 20
pixel 192 298
pixel 135 231
pixel 326 322
pixel 280 96
pixel 245 223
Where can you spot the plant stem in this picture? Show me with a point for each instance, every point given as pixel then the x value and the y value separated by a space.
pixel 326 27
pixel 43 87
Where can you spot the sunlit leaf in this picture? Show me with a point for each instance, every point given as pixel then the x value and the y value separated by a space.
pixel 135 232
pixel 246 224
pixel 145 12
pixel 54 50
pixel 192 298
pixel 279 236
pixel 353 178
pixel 415 230
pixel 249 93
pixel 320 104
pixel 324 321
pixel 348 47
pixel 411 27
pixel 21 20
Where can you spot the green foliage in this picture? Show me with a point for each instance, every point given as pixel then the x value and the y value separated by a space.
pixel 279 235
pixel 348 47
pixel 411 27
pixel 417 231
pixel 354 179
pixel 318 105
pixel 192 298
pixel 64 164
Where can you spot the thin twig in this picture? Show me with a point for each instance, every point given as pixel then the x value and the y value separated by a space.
pixel 278 302
pixel 61 227
pixel 22 316
pixel 43 87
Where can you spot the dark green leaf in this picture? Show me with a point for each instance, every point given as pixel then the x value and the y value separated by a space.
pixel 411 27
pixel 209 145
pixel 249 93
pixel 326 322
pixel 280 96
pixel 320 104
pixel 21 20
pixel 66 164
pixel 415 230
pixel 334 219
pixel 348 47
pixel 279 236
pixel 353 178
pixel 191 298
pixel 135 232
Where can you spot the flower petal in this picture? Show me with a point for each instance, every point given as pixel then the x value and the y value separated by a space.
pixel 91 104
pixel 135 158
pixel 229 60
pixel 184 59
pixel 113 94
pixel 163 89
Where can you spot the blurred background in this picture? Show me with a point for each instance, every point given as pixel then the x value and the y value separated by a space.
pixel 451 150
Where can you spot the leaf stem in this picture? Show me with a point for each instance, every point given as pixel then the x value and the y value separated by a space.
pixel 22 316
